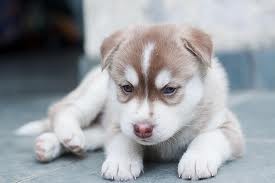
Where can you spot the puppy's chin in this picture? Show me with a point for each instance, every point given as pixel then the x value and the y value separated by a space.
pixel 146 142
pixel 149 141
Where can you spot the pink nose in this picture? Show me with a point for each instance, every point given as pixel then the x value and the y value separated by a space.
pixel 143 130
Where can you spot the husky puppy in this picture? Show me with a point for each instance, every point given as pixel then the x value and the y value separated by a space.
pixel 159 95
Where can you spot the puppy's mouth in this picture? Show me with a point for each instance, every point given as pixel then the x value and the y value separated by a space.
pixel 152 140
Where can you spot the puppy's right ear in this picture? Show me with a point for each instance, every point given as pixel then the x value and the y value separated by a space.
pixel 108 47
pixel 198 43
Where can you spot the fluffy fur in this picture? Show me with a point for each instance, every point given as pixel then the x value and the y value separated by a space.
pixel 191 124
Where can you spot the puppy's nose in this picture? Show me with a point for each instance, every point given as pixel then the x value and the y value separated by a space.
pixel 143 130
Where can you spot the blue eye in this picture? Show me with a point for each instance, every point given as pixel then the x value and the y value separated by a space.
pixel 127 88
pixel 167 90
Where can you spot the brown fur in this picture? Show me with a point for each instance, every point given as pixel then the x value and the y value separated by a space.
pixel 126 47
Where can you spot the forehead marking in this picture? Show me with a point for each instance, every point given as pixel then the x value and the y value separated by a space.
pixel 131 75
pixel 147 52
pixel 163 78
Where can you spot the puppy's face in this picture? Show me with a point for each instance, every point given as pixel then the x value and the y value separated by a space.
pixel 156 78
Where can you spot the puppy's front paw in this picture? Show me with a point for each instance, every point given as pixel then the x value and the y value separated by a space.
pixel 73 140
pixel 196 166
pixel 47 147
pixel 75 143
pixel 121 169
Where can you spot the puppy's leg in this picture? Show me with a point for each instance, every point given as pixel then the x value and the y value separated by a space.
pixel 78 110
pixel 68 131
pixel 95 137
pixel 209 150
pixel 47 147
pixel 123 159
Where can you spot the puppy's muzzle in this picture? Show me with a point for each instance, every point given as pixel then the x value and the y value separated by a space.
pixel 143 130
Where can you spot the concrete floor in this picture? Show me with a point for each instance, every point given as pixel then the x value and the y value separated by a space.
pixel 256 111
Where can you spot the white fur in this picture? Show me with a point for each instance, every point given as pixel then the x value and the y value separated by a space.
pixel 34 128
pixel 92 99
pixel 123 159
pixel 146 57
pixel 193 93
pixel 94 137
pixel 72 136
pixel 168 122
pixel 80 108
pixel 131 75
pixel 135 112
pixel 162 79
pixel 217 120
pixel 204 156
pixel 47 147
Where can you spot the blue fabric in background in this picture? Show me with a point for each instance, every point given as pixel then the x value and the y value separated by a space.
pixel 250 69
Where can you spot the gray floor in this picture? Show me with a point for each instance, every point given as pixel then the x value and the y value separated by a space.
pixel 17 163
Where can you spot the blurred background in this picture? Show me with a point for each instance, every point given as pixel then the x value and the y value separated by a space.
pixel 47 45
pixel 40 44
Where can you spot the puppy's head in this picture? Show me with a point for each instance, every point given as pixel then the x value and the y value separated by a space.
pixel 156 78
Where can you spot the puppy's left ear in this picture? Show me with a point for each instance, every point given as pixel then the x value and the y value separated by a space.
pixel 109 46
pixel 199 43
